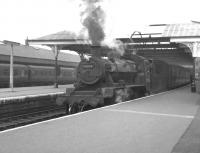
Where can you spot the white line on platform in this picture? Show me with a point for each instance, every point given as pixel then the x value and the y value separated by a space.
pixel 151 113
pixel 78 114
pixel 31 96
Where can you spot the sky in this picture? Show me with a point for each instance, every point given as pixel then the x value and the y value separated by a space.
pixel 35 18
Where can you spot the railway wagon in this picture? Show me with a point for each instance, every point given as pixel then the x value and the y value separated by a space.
pixel 31 75
pixel 35 66
pixel 66 75
pixel 179 76
pixel 20 75
pixel 40 75
pixel 165 76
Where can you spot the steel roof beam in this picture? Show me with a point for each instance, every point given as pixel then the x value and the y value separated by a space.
pixel 143 40
pixel 146 46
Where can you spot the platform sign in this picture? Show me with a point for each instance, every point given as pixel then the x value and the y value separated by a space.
pixel 197 74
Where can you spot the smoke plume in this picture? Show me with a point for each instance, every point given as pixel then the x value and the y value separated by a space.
pixel 93 19
pixel 116 45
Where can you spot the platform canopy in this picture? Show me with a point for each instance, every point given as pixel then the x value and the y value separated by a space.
pixel 187 30
pixel 63 40
pixel 66 40
pixel 187 34
pixel 150 42
pixel 159 47
pixel 144 44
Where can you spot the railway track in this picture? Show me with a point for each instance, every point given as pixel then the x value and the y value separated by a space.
pixel 30 116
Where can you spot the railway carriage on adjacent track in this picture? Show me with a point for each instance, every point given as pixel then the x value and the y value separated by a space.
pixel 35 66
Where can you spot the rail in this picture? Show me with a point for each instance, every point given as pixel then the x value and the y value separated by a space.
pixel 30 116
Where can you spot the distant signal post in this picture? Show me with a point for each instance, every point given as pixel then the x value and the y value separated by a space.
pixel 12 44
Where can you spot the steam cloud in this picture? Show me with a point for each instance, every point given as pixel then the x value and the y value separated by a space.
pixel 117 46
pixel 93 18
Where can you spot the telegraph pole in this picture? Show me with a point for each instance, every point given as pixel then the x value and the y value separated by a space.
pixel 12 44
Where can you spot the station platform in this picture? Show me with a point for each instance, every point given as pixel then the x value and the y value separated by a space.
pixel 24 92
pixel 163 123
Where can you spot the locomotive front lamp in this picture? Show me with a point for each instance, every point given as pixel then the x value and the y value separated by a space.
pixel 12 44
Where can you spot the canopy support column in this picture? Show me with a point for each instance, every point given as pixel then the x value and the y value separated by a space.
pixel 196 56
pixel 56 53
pixel 12 44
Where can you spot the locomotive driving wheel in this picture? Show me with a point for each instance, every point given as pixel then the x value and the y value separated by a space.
pixel 73 108
pixel 85 107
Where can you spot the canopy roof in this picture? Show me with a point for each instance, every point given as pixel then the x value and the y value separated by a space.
pixel 69 41
pixel 65 40
pixel 59 38
pixel 38 53
pixel 62 35
pixel 182 30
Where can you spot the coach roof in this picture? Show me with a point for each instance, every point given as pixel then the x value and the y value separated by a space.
pixel 39 53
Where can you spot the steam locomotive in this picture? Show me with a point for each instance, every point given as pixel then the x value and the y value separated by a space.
pixel 114 79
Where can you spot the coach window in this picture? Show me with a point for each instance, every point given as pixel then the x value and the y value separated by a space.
pixel 6 72
pixel 42 73
pixel 45 73
pixel 23 73
pixel 15 72
pixel 37 72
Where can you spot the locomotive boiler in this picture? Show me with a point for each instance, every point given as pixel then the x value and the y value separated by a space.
pixel 107 80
